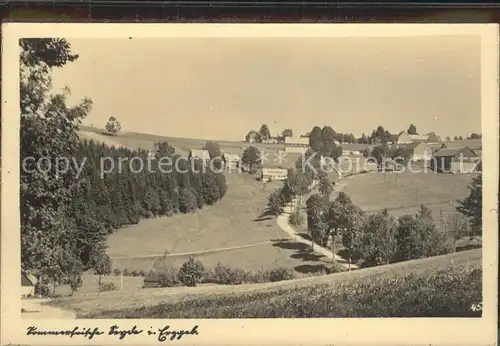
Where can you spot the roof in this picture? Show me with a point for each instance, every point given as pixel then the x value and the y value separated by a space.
pixel 355 146
pixel 280 159
pixel 473 144
pixel 412 145
pixel 201 153
pixel 28 279
pixel 418 137
pixel 478 152
pixel 297 140
pixel 451 151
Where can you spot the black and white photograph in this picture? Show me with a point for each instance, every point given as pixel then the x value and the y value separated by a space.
pixel 206 177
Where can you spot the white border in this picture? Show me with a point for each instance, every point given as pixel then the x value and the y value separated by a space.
pixel 253 331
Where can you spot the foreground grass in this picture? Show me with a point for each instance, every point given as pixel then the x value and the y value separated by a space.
pixel 429 290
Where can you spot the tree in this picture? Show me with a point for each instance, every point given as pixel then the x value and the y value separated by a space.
pixel 472 206
pixel 253 136
pixel 380 152
pixel 101 263
pixel 316 210
pixel 251 157
pixel 191 272
pixel 213 149
pixel 49 240
pixel 113 126
pixel 364 139
pixel 325 187
pixel 276 202
pixel 475 136
pixel 265 132
pixel 417 237
pixel 287 133
pixel 347 220
pixel 163 149
pixel 297 185
pixel 378 243
pixel 448 138
pixel 412 130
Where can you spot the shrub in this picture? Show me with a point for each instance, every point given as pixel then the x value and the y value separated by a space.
pixel 280 274
pixel 187 201
pixel 296 218
pixel 125 272
pixel 169 278
pixel 191 272
pixel 134 273
pixel 142 273
pixel 107 287
pixel 229 276
pixel 276 202
pixel 116 271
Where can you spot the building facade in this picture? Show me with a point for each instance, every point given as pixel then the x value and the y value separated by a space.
pixel 458 160
pixel 296 145
pixel 231 161
pixel 273 174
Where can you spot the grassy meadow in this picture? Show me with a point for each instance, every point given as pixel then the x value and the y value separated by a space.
pixel 403 193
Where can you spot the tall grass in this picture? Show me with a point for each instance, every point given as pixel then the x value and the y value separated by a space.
pixel 448 292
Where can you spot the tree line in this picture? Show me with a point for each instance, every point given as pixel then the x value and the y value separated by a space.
pixel 379 238
pixel 66 216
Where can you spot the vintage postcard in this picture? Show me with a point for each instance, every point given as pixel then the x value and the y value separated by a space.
pixel 249 184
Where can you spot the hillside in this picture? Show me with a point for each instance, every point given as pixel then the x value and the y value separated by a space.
pixel 418 284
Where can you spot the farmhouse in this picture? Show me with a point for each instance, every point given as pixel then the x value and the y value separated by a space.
pixel 405 138
pixel 296 145
pixel 458 160
pixel 472 144
pixel 28 283
pixel 231 161
pixel 273 174
pixel 354 149
pixel 416 151
pixel 199 154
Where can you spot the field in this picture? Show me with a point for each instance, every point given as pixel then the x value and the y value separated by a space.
pixel 413 288
pixel 182 145
pixel 403 193
pixel 239 219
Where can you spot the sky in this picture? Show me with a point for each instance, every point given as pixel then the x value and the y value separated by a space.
pixel 221 88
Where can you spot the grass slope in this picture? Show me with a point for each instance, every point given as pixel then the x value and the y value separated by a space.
pixel 403 193
pixel 438 286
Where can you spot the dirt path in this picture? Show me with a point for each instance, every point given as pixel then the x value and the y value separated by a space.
pixel 282 222
pixel 38 309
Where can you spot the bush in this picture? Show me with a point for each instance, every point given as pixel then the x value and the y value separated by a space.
pixel 188 201
pixel 276 202
pixel 125 272
pixel 142 273
pixel 107 287
pixel 296 218
pixel 169 278
pixel 134 273
pixel 191 272
pixel 434 292
pixel 229 276
pixel 116 271
pixel 280 274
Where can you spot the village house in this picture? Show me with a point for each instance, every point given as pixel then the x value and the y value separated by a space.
pixel 296 145
pixel 231 161
pixel 199 154
pixel 405 138
pixel 472 144
pixel 270 173
pixel 354 149
pixel 416 151
pixel 456 160
pixel 28 283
